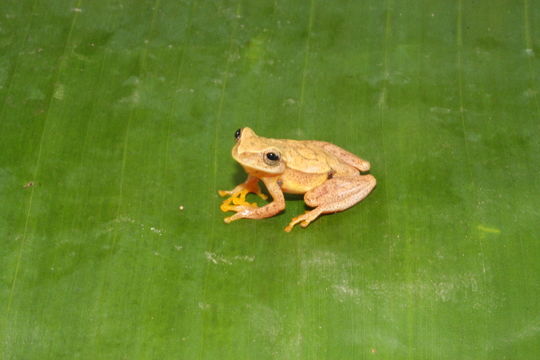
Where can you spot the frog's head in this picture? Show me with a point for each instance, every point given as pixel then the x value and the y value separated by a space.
pixel 257 154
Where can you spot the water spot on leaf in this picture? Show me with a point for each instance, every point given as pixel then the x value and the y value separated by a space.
pixel 59 92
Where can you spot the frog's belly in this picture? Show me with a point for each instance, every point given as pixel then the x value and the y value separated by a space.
pixel 296 182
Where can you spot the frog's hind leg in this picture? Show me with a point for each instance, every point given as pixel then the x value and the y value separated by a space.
pixel 337 194
pixel 345 156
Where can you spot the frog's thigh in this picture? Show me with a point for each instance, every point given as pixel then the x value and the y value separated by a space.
pixel 340 193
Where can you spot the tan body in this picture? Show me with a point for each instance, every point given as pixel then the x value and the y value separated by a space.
pixel 328 176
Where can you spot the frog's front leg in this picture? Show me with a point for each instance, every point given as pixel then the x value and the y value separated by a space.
pixel 238 194
pixel 253 212
pixel 337 194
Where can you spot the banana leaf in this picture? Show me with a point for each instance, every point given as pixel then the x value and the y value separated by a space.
pixel 117 119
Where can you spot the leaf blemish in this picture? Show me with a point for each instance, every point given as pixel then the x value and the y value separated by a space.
pixel 29 184
pixel 487 229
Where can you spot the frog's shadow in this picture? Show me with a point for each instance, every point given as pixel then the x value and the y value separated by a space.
pixel 239 176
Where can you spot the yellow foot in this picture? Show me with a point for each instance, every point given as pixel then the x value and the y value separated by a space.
pixel 238 199
pixel 302 219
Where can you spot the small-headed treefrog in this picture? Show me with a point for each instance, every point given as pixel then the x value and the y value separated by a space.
pixel 328 176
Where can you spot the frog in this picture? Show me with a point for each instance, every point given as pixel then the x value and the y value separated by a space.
pixel 331 178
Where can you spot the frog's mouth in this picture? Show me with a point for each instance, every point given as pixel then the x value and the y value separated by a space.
pixel 234 153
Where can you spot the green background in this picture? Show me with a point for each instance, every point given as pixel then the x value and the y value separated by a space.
pixel 115 113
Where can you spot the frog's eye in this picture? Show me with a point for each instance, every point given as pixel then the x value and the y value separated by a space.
pixel 237 134
pixel 271 158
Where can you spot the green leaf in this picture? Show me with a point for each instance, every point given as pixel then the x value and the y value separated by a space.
pixel 116 124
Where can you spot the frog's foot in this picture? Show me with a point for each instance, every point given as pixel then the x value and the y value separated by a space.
pixel 244 189
pixel 304 219
pixel 238 197
pixel 242 211
pixel 236 200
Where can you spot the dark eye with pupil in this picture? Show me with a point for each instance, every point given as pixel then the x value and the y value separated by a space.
pixel 272 156
pixel 237 134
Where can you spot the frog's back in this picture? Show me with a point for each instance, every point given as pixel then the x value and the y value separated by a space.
pixel 306 156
